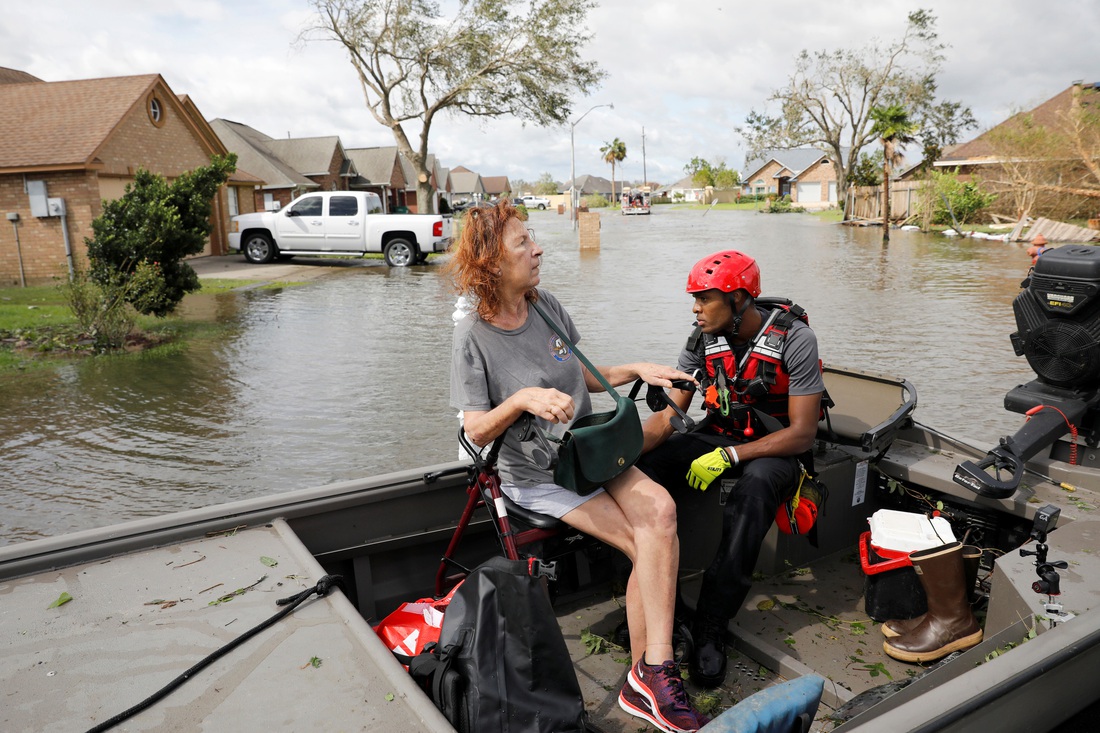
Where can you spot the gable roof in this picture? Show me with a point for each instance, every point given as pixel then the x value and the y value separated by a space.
pixel 795 160
pixel 375 165
pixel 62 125
pixel 1046 114
pixel 496 185
pixel 254 155
pixel 309 156
pixel 463 180
pixel 592 184
pixel 15 76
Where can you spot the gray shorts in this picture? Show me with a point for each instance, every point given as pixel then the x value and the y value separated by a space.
pixel 549 499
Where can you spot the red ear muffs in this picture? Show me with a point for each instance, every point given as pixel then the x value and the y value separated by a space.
pixel 798 514
pixel 799 519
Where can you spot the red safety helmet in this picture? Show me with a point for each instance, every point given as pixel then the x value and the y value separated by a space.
pixel 726 271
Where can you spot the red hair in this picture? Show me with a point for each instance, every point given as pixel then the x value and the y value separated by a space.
pixel 475 257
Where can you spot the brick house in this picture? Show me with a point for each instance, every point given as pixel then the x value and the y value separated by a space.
pixel 978 155
pixel 805 174
pixel 289 167
pixel 379 171
pixel 76 143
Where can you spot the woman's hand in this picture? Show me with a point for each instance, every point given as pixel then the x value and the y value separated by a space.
pixel 549 404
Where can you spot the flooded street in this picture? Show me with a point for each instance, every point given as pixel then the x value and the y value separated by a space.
pixel 347 376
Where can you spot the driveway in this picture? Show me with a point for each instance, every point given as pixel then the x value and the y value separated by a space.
pixel 236 268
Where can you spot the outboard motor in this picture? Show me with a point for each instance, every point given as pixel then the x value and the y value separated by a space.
pixel 1058 322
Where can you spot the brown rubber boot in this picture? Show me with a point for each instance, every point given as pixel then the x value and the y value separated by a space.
pixel 949 624
pixel 972 557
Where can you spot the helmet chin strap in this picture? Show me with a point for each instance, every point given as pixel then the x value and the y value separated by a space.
pixel 737 316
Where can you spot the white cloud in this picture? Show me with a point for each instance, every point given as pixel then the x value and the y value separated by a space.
pixel 687 73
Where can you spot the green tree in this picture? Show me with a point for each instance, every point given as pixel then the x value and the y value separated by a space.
pixel 893 128
pixel 827 101
pixel 704 174
pixel 867 171
pixel 490 59
pixel 141 239
pixel 613 152
pixel 546 185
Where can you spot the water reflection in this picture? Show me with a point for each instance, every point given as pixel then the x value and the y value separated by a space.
pixel 347 376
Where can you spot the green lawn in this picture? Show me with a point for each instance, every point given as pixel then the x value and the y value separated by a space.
pixel 39 319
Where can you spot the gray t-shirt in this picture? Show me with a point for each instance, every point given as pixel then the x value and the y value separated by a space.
pixel 489 364
pixel 800 359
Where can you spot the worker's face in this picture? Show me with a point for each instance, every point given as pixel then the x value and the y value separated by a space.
pixel 712 311
pixel 519 267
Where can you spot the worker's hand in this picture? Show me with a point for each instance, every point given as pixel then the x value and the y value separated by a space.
pixel 707 467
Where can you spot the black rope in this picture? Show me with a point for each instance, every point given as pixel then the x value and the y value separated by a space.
pixel 324 585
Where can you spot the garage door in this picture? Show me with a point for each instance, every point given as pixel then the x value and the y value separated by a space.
pixel 809 193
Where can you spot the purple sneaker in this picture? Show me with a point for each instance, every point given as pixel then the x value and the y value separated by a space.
pixel 634 703
pixel 663 689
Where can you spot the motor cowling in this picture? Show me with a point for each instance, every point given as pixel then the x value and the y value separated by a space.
pixel 1058 318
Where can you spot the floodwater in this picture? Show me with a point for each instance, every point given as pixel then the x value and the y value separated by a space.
pixel 348 376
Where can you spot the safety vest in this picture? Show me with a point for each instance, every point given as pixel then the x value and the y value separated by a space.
pixel 759 380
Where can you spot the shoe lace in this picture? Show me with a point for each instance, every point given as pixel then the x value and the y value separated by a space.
pixel 711 629
pixel 674 685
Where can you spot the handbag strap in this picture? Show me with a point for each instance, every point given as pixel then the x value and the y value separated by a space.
pixel 593 370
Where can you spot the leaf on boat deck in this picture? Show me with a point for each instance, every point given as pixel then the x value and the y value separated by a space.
pixel 268 561
pixel 389 697
pixel 239 592
pixel 765 605
pixel 314 662
pixel 61 600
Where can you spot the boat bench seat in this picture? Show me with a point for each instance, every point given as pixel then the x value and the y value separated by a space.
pixel 869 409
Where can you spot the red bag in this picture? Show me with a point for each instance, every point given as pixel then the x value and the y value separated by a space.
pixel 414 625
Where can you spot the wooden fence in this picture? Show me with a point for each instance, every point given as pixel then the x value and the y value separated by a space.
pixel 865 202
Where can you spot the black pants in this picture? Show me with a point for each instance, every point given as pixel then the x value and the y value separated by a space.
pixel 763 484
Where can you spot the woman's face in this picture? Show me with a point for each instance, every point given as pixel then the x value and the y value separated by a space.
pixel 519 267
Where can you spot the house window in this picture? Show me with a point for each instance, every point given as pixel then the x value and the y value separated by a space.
pixel 234 207
pixel 155 107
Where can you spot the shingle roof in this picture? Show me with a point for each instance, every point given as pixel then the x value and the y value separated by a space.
pixel 796 159
pixel 464 181
pixel 254 156
pixel 309 156
pixel 15 76
pixel 64 123
pixel 1045 115
pixel 375 165
pixel 496 185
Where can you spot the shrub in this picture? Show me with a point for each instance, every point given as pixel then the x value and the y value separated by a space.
pixel 145 235
pixel 596 201
pixel 102 311
pixel 966 198
pixel 783 206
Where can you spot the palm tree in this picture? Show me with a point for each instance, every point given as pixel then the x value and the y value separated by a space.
pixel 613 152
pixel 893 127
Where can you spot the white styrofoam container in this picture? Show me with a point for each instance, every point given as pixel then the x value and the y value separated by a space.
pixel 908 531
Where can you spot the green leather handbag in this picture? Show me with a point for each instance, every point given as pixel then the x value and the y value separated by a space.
pixel 597 447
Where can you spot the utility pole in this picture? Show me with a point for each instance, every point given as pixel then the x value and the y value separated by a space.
pixel 645 176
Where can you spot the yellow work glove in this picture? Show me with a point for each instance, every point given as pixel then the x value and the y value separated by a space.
pixel 707 467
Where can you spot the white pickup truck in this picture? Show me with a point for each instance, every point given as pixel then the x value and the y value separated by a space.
pixel 535 202
pixel 349 223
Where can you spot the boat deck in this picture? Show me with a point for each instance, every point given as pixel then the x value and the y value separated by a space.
pixel 76 665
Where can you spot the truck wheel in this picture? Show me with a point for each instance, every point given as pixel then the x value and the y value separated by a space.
pixel 542 207
pixel 259 249
pixel 399 253
pixel 421 258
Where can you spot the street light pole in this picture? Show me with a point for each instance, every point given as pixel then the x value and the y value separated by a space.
pixel 573 163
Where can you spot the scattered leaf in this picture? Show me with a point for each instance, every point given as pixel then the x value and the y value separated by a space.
pixel 765 605
pixel 269 561
pixel 61 600
pixel 389 697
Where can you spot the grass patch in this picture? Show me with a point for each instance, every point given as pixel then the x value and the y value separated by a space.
pixel 213 286
pixel 38 331
pixel 829 215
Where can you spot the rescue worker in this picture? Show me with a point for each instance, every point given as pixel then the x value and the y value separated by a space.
pixel 760 375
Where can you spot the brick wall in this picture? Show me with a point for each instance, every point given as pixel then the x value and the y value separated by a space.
pixel 42 241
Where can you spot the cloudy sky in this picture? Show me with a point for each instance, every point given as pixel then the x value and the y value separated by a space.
pixel 686 72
